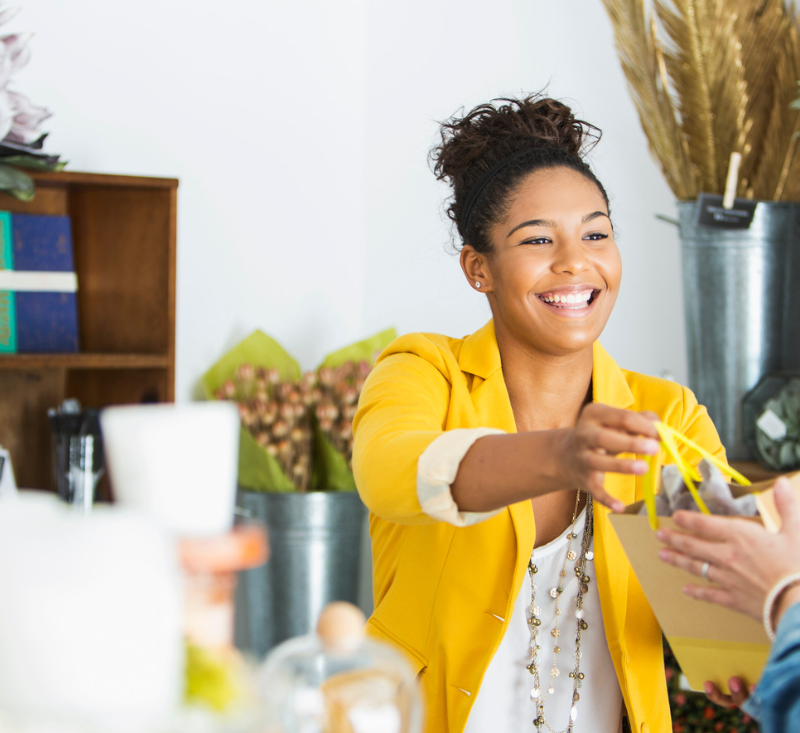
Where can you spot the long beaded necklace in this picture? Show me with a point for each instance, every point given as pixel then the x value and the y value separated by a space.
pixel 535 621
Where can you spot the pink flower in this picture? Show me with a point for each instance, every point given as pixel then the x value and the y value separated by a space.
pixel 27 119
pixel 20 119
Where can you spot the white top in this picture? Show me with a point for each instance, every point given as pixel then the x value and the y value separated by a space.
pixel 503 702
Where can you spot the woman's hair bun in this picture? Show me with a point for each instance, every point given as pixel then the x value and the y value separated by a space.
pixel 475 142
pixel 499 128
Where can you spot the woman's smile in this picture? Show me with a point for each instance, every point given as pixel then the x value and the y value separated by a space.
pixel 570 301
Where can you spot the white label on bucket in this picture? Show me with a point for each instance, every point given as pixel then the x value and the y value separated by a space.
pixel 771 425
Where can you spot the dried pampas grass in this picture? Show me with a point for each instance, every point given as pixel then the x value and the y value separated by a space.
pixel 713 77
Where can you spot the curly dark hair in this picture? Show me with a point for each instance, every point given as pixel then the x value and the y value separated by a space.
pixel 536 132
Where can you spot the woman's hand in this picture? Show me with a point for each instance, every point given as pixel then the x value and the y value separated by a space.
pixel 592 447
pixel 745 561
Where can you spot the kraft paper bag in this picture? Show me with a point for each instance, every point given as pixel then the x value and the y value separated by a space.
pixel 710 642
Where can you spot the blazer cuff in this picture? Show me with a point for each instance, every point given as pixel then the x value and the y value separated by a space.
pixel 436 470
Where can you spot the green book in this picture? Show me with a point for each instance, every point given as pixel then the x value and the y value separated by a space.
pixel 8 310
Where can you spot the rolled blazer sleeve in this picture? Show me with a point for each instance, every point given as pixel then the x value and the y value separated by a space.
pixel 437 470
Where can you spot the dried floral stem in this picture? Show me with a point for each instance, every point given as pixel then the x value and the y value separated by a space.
pixel 685 30
pixel 720 82
pixel 788 185
pixel 643 63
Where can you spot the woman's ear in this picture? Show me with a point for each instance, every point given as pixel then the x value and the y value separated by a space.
pixel 476 268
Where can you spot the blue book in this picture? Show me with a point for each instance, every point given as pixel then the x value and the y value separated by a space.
pixel 46 299
pixel 8 317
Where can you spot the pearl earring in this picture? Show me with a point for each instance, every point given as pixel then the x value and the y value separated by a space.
pixel 477 283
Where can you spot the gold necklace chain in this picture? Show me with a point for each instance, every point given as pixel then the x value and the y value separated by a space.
pixel 535 622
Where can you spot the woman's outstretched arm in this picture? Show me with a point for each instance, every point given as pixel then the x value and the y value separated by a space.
pixel 499 470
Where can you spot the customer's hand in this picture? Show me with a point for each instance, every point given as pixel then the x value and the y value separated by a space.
pixel 745 561
pixel 592 447
pixel 739 693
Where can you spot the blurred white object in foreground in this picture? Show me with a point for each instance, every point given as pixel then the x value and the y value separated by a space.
pixel 177 463
pixel 8 487
pixel 90 618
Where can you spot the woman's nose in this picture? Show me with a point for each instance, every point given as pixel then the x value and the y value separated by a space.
pixel 570 256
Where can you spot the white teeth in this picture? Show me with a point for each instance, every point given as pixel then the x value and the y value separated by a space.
pixel 570 299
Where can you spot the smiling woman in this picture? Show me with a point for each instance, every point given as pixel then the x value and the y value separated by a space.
pixel 489 463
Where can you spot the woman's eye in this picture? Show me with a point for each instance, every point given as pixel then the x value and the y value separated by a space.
pixel 537 240
pixel 596 236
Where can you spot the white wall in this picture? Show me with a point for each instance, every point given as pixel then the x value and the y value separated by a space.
pixel 299 132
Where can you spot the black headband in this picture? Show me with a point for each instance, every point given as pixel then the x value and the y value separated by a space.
pixel 482 182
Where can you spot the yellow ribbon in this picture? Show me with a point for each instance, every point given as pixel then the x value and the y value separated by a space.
pixel 670 438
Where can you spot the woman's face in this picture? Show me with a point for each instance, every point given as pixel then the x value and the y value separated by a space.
pixel 554 270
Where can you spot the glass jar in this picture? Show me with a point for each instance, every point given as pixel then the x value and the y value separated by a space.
pixel 338 681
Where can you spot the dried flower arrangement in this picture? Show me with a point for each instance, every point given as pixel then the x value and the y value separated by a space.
pixel 282 415
pixel 340 388
pixel 710 78
pixel 297 430
pixel 277 414
pixel 21 142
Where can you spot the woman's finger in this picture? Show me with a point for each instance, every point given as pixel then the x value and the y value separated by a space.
pixel 787 505
pixel 595 487
pixel 633 423
pixel 704 569
pixel 714 694
pixel 739 692
pixel 603 463
pixel 710 594
pixel 651 416
pixel 616 442
pixel 716 553
pixel 721 586
pixel 683 561
pixel 715 528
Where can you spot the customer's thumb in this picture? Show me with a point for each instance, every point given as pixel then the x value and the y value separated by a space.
pixel 787 505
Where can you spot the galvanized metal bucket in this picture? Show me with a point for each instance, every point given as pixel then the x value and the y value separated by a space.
pixel 742 309
pixel 315 543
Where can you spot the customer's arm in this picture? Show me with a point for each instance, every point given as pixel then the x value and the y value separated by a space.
pixel 776 700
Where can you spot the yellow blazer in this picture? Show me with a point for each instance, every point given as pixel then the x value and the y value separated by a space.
pixel 444 594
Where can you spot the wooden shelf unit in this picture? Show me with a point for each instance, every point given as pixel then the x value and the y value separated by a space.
pixel 124 238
